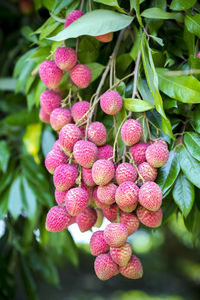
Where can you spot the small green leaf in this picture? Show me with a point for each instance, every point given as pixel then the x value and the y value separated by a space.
pixel 193 24
pixel 4 155
pixel 96 70
pixel 137 105
pixel 182 4
pixel 192 142
pixel 157 13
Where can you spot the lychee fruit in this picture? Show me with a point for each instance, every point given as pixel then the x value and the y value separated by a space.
pixel 131 222
pixel 105 152
pixel 121 255
pixel 89 190
pixel 97 201
pixel 87 177
pixel 150 196
pixel 73 16
pixel 56 145
pixel 98 244
pixel 103 171
pixel 65 58
pixel 106 193
pixel 147 172
pixel 50 74
pixel 110 212
pixel 68 136
pixel 85 153
pixel 76 200
pixel 97 133
pixel 115 234
pixel 127 196
pixel 65 176
pixel 133 269
pixel 86 219
pixel 131 132
pixel 160 141
pixel 157 155
pixel 138 152
pixel 50 100
pixel 105 267
pixel 81 75
pixel 111 102
pixel 79 109
pixel 59 118
pixel 125 172
pixel 44 117
pixel 105 38
pixel 99 220
pixel 57 219
pixel 54 159
pixel 60 197
pixel 149 218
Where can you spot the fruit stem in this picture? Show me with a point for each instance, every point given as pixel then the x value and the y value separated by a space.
pixel 134 164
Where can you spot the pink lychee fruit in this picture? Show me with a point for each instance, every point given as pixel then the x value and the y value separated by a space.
pixel 87 177
pixel 50 100
pixel 76 200
pixel 105 267
pixel 85 153
pixel 99 220
pixel 147 172
pixel 44 117
pixel 56 145
pixel 125 172
pixel 149 218
pixel 111 102
pixel 157 155
pixel 97 201
pixel 81 75
pixel 106 193
pixel 138 152
pixel 133 269
pixel 73 16
pixel 65 58
pixel 131 132
pixel 126 196
pixel 115 234
pixel 57 219
pixel 68 136
pixel 110 212
pixel 89 190
pixel 160 141
pixel 97 133
pixel 105 152
pixel 105 38
pixel 82 129
pixel 103 171
pixel 131 222
pixel 150 196
pixel 86 219
pixel 54 159
pixel 59 118
pixel 121 255
pixel 60 197
pixel 65 176
pixel 79 109
pixel 98 244
pixel 50 74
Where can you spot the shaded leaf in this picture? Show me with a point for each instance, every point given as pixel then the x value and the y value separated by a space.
pixel 4 155
pixel 96 70
pixel 193 24
pixel 157 13
pixel 182 4
pixel 15 204
pixel 192 142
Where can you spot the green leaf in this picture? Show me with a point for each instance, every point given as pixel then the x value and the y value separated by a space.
pixel 193 24
pixel 26 70
pixel 96 70
pixel 40 54
pixel 183 88
pixel 30 205
pixel 4 155
pixel 192 222
pixel 196 118
pixel 59 5
pixel 7 84
pixel 136 5
pixel 192 142
pixel 22 118
pixel 48 140
pixel 137 41
pixel 183 194
pixel 21 61
pixel 15 198
pixel 137 105
pixel 93 23
pixel 157 13
pixel 113 3
pixel 88 50
pixel 182 4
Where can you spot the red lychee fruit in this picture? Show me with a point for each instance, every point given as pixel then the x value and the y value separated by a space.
pixel 50 100
pixel 65 58
pixel 138 152
pixel 121 255
pixel 126 196
pixel 115 234
pixel 98 244
pixel 147 172
pixel 157 155
pixel 57 219
pixel 110 212
pixel 160 141
pixel 106 193
pixel 149 218
pixel 44 117
pixel 89 190
pixel 50 74
pixel 111 102
pixel 76 200
pixel 131 132
pixel 125 172
pixel 65 176
pixel 105 152
pixel 79 109
pixel 99 220
pixel 103 171
pixel 86 219
pixel 97 133
pixel 133 269
pixel 131 222
pixel 54 159
pixel 73 16
pixel 60 197
pixel 150 196
pixel 59 118
pixel 81 75
pixel 105 267
pixel 85 153
pixel 105 38
pixel 68 136
pixel 87 177
pixel 97 201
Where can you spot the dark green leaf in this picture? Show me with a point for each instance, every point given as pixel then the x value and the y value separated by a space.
pixel 137 105
pixel 157 13
pixel 192 142
pixel 88 50
pixel 182 4
pixel 196 119
pixel 4 155
pixel 96 70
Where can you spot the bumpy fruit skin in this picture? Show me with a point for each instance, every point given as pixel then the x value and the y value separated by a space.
pixel 60 197
pixel 160 141
pixel 111 102
pixel 115 234
pixel 97 133
pixel 59 118
pixel 68 136
pixel 147 172
pixel 131 221
pixel 133 270
pixel 50 74
pixel 127 196
pixel 106 193
pixel 150 196
pixel 110 212
pixel 65 176
pixel 121 255
pixel 125 172
pixel 76 201
pixel 97 201
pixel 99 220
pixel 87 177
pixel 89 190
pixel 73 16
pixel 44 117
pixel 85 153
pixel 54 159
pixel 138 152
pixel 105 152
pixel 65 58
pixel 131 132
pixel 149 218
pixel 81 75
pixel 50 100
pixel 103 171
pixel 86 219
pixel 56 145
pixel 105 267
pixel 105 38
pixel 79 109
pixel 157 155
pixel 98 244
pixel 57 219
